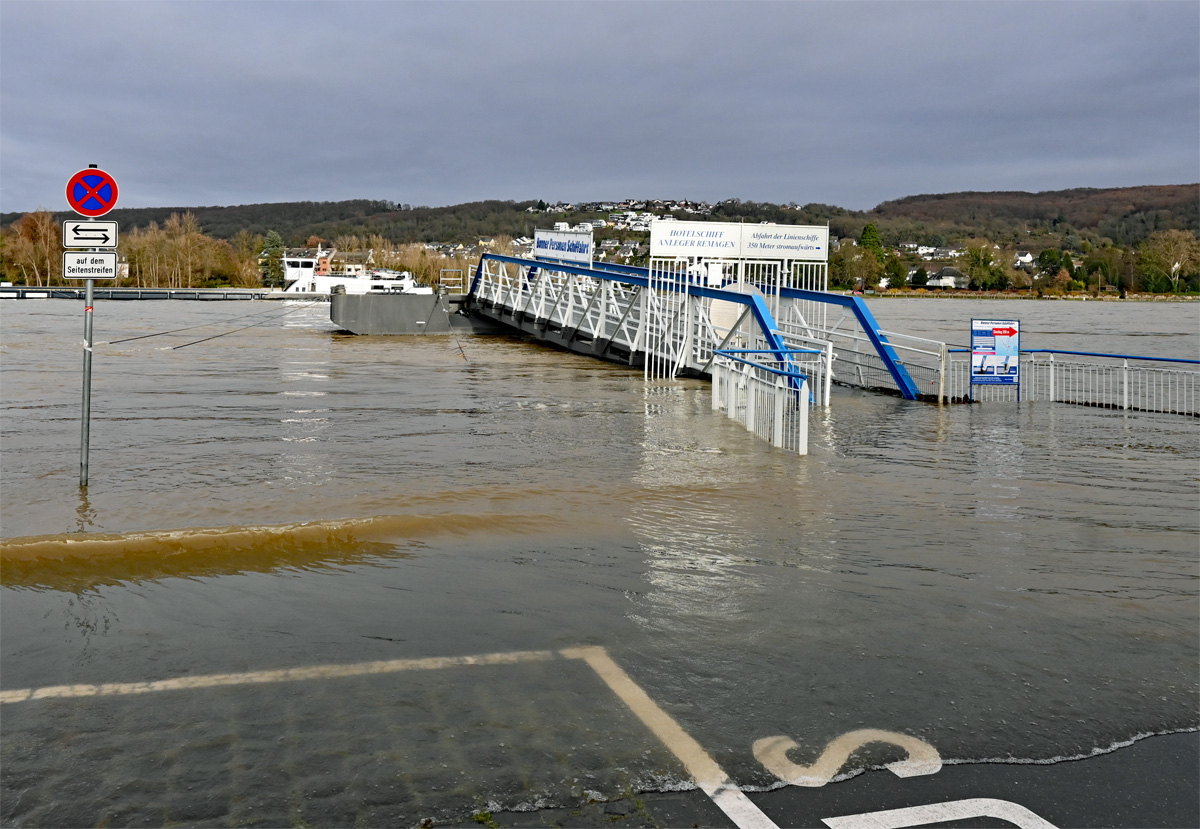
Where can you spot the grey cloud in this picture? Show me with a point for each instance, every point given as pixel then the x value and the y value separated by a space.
pixel 438 103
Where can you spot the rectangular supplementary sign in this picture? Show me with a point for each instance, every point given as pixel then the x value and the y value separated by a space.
pixel 89 265
pixel 995 352
pixel 726 240
pixel 81 234
pixel 563 245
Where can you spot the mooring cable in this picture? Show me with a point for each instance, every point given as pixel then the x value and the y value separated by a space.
pixel 244 327
pixel 450 325
pixel 203 325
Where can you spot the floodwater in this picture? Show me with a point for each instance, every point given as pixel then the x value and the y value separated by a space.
pixel 1005 582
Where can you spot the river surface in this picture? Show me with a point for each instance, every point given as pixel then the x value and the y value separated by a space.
pixel 1005 582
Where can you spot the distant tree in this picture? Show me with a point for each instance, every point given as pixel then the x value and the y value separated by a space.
pixel 244 248
pixel 33 249
pixel 920 278
pixel 870 240
pixel 839 276
pixel 982 262
pixel 187 249
pixel 863 269
pixel 384 253
pixel 1049 261
pixel 1169 257
pixel 895 272
pixel 272 259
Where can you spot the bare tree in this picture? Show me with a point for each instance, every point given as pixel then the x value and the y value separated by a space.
pixel 1170 255
pixel 35 248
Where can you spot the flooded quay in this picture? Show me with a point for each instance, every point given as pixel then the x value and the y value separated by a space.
pixel 323 580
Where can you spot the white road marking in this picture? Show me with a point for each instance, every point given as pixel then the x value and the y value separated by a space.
pixel 709 776
pixel 1014 813
pixel 185 683
pixel 772 753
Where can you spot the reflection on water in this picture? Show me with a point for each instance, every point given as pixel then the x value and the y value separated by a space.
pixel 1000 581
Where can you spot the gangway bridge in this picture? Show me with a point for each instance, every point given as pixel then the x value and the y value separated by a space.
pixel 773 340
pixel 761 330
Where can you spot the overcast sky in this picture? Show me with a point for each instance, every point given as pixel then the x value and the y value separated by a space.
pixel 847 103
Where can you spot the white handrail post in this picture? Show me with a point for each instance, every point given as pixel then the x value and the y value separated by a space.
pixel 716 386
pixel 780 396
pixel 828 372
pixel 802 437
pixel 1124 384
pixel 945 357
pixel 750 395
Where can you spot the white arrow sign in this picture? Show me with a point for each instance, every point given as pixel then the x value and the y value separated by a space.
pixel 80 234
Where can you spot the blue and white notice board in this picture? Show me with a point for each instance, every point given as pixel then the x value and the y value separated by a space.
pixel 995 352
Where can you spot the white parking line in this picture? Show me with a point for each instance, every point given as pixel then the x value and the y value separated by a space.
pixel 1014 813
pixel 709 776
pixel 185 683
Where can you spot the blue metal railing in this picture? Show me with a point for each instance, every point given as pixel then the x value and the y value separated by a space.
pixel 1092 354
pixel 795 376
pixel 640 277
pixel 866 320
pixel 1112 381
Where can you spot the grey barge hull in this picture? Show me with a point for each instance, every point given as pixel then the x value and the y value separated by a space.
pixel 406 314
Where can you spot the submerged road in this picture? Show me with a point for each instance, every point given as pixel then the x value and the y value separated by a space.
pixel 329 581
pixel 1149 783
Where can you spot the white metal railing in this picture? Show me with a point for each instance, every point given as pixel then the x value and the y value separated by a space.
pixel 818 366
pixel 1087 379
pixel 856 359
pixel 452 280
pixel 769 397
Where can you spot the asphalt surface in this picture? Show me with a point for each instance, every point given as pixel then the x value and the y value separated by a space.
pixel 1153 783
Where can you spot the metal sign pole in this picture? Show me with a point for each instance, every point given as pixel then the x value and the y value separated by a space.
pixel 86 418
pixel 90 193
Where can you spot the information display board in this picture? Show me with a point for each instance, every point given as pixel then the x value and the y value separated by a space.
pixel 995 352
pixel 727 240
pixel 563 246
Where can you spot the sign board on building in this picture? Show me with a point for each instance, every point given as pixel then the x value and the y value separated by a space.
pixel 92 192
pixel 563 246
pixel 995 352
pixel 79 234
pixel 89 265
pixel 726 240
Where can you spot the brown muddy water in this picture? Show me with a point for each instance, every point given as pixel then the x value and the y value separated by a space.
pixel 279 507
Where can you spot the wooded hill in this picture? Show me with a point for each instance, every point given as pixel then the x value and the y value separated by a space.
pixel 297 221
pixel 1124 216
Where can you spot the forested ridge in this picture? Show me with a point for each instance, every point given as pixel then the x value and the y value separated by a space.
pixel 1125 216
pixel 296 222
pixel 1125 239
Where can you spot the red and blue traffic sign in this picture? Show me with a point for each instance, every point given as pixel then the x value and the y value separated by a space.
pixel 92 192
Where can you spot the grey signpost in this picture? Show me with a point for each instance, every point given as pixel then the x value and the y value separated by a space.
pixel 91 192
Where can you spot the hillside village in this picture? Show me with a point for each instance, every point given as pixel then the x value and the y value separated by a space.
pixel 1118 240
pixel 623 238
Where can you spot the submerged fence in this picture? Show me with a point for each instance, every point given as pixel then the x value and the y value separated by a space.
pixel 940 373
pixel 770 397
pixel 773 347
pixel 1084 378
